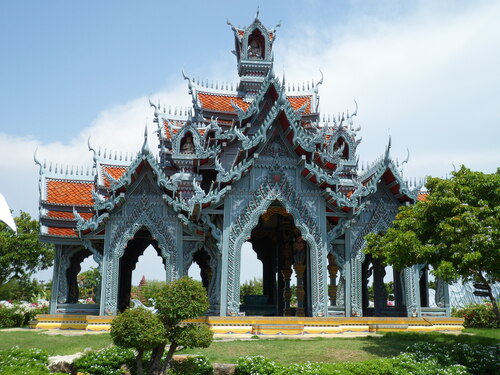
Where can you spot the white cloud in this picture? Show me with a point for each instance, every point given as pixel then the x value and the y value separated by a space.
pixel 119 129
pixel 431 77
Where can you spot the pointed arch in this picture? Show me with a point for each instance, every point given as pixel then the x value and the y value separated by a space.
pixel 277 187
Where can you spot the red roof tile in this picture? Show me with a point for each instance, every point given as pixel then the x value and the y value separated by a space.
pixel 68 215
pixel 422 196
pixel 221 102
pixel 299 101
pixel 114 171
pixel 64 232
pixel 77 193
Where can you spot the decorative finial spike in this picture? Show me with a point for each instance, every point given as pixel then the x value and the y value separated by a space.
pixel 145 147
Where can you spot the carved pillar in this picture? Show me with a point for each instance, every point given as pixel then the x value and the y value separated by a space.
pixel 57 274
pixel 109 287
pixel 287 274
pixel 424 286
pixel 332 272
pixel 366 272
pixel 410 291
pixel 379 291
pixel 442 295
pixel 300 267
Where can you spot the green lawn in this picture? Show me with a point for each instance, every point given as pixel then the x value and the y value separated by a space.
pixel 53 344
pixel 282 350
pixel 334 349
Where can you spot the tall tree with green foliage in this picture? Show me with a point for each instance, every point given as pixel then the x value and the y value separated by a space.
pixel 89 282
pixel 22 254
pixel 178 301
pixel 456 230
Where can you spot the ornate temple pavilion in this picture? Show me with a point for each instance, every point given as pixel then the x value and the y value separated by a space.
pixel 252 162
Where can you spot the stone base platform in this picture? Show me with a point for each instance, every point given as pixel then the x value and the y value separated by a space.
pixel 258 325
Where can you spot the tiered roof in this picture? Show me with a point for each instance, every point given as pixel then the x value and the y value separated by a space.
pixel 228 129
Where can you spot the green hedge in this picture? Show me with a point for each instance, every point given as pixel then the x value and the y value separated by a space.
pixel 18 316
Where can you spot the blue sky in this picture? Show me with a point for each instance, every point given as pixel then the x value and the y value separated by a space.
pixel 426 72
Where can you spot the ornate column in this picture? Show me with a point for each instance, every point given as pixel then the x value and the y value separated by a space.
pixel 300 267
pixel 379 291
pixel 287 274
pixel 110 271
pixel 332 272
pixel 410 290
pixel 57 275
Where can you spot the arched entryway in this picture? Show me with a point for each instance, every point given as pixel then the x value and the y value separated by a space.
pixel 134 249
pixel 382 293
pixel 280 247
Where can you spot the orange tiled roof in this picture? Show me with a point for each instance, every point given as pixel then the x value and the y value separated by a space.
pixel 221 102
pixel 422 196
pixel 299 101
pixel 68 215
pixel 65 232
pixel 114 171
pixel 77 193
pixel 168 133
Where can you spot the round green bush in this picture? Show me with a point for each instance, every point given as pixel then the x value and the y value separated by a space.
pixel 138 329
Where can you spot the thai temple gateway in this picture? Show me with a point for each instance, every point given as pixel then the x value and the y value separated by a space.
pixel 254 162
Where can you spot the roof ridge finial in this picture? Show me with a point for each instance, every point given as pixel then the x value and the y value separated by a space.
pixel 37 162
pixel 145 147
pixel 92 149
pixel 257 15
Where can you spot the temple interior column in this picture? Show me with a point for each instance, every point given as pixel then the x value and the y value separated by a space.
pixel 332 272
pixel 287 275
pixel 300 267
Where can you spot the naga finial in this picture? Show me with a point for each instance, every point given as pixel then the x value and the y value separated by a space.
pixel 230 24
pixel 37 162
pixel 355 113
pixel 407 157
pixel 320 82
pixel 92 149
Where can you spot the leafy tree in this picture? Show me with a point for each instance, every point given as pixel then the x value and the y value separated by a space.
pixel 89 282
pixel 23 254
pixel 138 329
pixel 251 287
pixel 23 289
pixel 456 230
pixel 176 302
pixel 150 290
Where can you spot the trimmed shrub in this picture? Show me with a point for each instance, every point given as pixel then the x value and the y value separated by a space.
pixel 109 361
pixel 192 365
pixel 19 315
pixel 11 317
pixel 480 315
